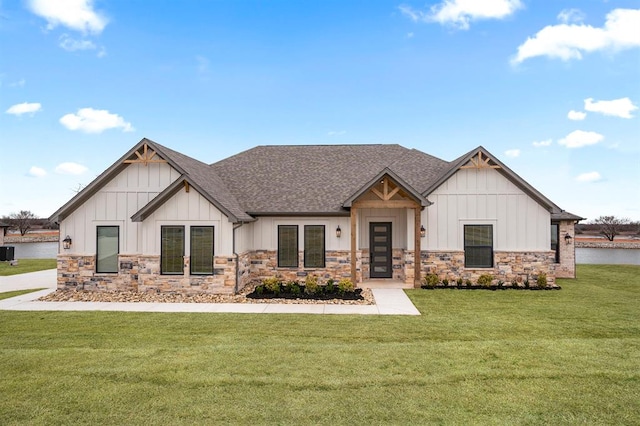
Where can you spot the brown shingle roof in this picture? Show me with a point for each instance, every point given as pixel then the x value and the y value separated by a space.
pixel 317 178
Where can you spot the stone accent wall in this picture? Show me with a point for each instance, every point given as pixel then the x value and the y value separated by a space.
pixel 264 264
pixel 509 266
pixel 567 266
pixel 142 273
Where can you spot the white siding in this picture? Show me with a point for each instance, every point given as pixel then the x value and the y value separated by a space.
pixel 484 196
pixel 114 204
pixel 188 209
pixel 263 235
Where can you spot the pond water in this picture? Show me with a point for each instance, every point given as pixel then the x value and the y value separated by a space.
pixel 583 255
pixel 608 256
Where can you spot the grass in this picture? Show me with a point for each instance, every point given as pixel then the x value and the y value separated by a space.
pixel 26 265
pixel 10 294
pixel 510 357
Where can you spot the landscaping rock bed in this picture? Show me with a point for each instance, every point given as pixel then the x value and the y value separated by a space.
pixel 365 297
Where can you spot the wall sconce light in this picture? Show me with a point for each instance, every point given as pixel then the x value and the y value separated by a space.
pixel 567 238
pixel 66 243
pixel 423 232
pixel 338 231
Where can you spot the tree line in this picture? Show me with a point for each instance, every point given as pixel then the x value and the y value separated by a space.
pixel 25 220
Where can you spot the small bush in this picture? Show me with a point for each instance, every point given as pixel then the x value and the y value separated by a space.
pixel 445 282
pixel 542 280
pixel 272 285
pixel 345 286
pixel 311 284
pixel 500 283
pixel 468 283
pixel 292 287
pixel 485 280
pixel 431 280
pixel 526 283
pixel 330 288
pixel 259 289
pixel 459 282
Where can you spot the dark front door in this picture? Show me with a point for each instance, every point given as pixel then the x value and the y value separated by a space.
pixel 380 250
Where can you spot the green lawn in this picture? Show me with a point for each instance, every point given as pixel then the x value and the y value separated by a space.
pixel 26 265
pixel 10 294
pixel 473 357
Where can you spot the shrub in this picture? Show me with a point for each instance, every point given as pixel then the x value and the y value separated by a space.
pixel 500 283
pixel 542 280
pixel 259 289
pixel 330 288
pixel 459 282
pixel 445 282
pixel 514 284
pixel 345 286
pixel 292 287
pixel 485 280
pixel 311 284
pixel 526 283
pixel 468 282
pixel 431 280
pixel 272 284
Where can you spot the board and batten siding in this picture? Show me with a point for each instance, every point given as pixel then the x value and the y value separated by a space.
pixel 263 233
pixel 114 204
pixel 187 209
pixel 485 196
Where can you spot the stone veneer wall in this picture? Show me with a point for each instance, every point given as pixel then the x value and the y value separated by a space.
pixel 509 266
pixel 567 266
pixel 264 264
pixel 142 273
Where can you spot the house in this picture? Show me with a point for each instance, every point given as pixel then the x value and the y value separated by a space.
pixel 158 220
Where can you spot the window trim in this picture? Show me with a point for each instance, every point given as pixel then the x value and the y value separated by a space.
pixel 557 249
pixel 213 241
pixel 297 249
pixel 324 246
pixel 97 251
pixel 162 227
pixel 464 238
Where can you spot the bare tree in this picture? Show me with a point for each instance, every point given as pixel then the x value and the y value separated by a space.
pixel 22 221
pixel 610 226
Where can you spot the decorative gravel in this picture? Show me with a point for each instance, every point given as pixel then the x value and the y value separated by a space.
pixel 152 297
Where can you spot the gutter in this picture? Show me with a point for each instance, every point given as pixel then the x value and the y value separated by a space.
pixel 236 226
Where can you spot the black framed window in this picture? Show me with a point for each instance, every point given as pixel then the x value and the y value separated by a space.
pixel 287 246
pixel 201 250
pixel 314 246
pixel 107 249
pixel 172 250
pixel 555 232
pixel 478 246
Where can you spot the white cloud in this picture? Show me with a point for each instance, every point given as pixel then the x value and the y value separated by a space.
pixel 37 171
pixel 336 133
pixel 513 153
pixel 77 15
pixel 459 13
pixel 576 115
pixel 568 16
pixel 19 83
pixel 589 177
pixel 70 44
pixel 569 41
pixel 618 107
pixel 24 108
pixel 71 169
pixel 580 138
pixel 91 120
pixel 542 143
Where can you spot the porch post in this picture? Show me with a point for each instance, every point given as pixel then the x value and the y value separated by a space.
pixel 417 249
pixel 353 246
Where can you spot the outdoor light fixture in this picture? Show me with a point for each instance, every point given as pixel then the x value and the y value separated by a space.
pixel 567 238
pixel 338 231
pixel 66 243
pixel 423 232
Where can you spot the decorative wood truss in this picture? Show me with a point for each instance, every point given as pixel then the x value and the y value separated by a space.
pixel 145 155
pixel 480 162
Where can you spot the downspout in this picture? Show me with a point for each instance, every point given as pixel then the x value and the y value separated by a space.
pixel 236 226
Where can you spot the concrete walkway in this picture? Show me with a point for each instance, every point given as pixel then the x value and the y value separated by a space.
pixel 388 302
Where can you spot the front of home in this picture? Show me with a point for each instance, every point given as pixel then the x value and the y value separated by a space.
pixel 158 220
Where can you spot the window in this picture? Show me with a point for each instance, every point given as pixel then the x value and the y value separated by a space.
pixel 287 246
pixel 202 250
pixel 555 231
pixel 478 246
pixel 108 244
pixel 172 250
pixel 314 246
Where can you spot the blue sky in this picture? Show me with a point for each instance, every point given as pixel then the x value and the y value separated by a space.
pixel 552 88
